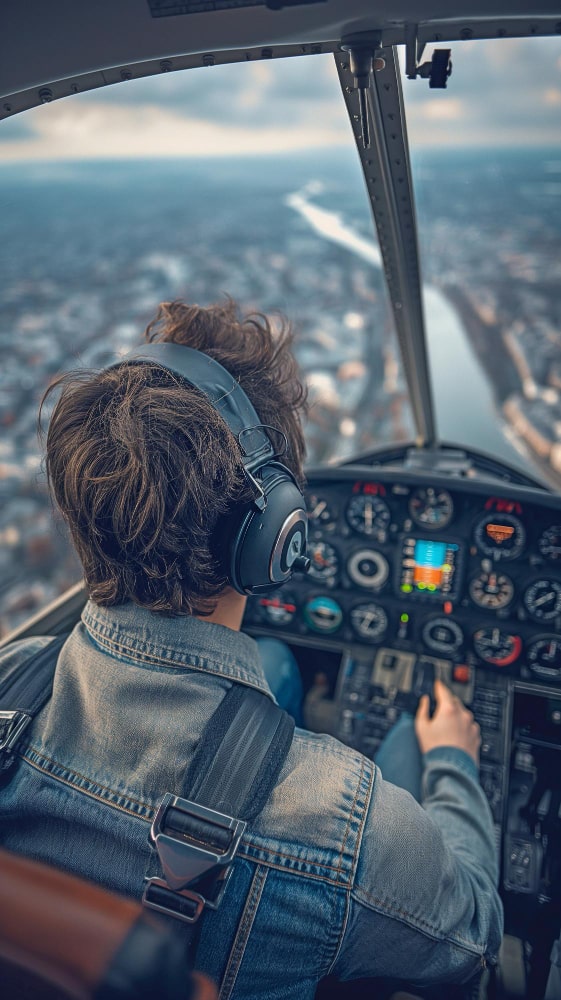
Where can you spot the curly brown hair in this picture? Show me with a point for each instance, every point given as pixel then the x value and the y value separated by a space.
pixel 146 473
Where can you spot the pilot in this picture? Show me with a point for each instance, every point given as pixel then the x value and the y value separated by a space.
pixel 342 872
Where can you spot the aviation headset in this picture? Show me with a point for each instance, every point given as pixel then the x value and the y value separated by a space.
pixel 269 540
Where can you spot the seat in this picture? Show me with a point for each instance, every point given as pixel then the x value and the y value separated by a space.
pixel 62 938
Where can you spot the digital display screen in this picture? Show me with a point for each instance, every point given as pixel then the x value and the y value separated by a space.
pixel 428 567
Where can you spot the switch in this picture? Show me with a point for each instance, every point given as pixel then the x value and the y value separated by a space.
pixel 461 673
pixel 389 661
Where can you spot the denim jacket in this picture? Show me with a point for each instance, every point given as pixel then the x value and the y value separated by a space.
pixel 341 873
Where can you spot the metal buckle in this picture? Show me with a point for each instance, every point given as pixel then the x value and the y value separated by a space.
pixel 16 722
pixel 171 911
pixel 184 858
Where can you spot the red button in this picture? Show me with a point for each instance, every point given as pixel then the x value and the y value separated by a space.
pixel 461 674
pixel 448 607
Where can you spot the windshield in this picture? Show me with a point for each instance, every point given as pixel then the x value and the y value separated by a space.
pixel 487 171
pixel 195 186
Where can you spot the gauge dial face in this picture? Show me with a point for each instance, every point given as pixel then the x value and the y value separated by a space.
pixel 368 568
pixel 279 609
pixel 430 508
pixel 543 600
pixel 491 590
pixel 369 621
pixel 368 515
pixel 544 657
pixel 495 646
pixel 500 536
pixel 324 562
pixel 549 543
pixel 321 514
pixel 444 635
pixel 323 614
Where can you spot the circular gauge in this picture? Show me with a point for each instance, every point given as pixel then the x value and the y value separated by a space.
pixel 431 509
pixel 491 590
pixel 500 536
pixel 368 568
pixel 549 543
pixel 320 514
pixel 323 614
pixel 369 621
pixel 279 609
pixel 544 657
pixel 324 562
pixel 494 646
pixel 368 515
pixel 543 600
pixel 443 635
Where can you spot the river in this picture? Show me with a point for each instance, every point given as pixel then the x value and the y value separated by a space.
pixel 465 409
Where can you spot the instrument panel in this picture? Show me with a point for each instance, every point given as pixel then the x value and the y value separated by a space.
pixel 456 570
pixel 413 579
pixel 460 579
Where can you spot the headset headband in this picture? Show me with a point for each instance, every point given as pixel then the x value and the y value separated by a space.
pixel 225 394
pixel 270 536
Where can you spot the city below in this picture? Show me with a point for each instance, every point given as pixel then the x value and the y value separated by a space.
pixel 91 249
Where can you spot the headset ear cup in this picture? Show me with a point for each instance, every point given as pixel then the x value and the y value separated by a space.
pixel 267 542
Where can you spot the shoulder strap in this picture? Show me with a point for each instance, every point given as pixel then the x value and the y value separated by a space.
pixel 23 694
pixel 232 774
pixel 194 836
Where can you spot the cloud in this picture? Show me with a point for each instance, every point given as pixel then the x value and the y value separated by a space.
pixel 280 90
pixel 15 129
pixel 505 92
pixel 100 130
pixel 502 86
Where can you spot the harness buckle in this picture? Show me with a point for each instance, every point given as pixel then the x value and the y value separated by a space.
pixel 12 725
pixel 196 846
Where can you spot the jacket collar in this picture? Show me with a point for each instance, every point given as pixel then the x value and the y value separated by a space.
pixel 131 633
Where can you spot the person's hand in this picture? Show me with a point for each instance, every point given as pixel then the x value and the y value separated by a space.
pixel 452 724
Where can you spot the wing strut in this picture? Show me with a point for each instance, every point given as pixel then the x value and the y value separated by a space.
pixel 387 172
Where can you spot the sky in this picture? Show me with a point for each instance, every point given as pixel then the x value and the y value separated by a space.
pixel 501 93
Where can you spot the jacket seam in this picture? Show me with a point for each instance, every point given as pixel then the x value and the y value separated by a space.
pixel 250 843
pixel 245 925
pixel 362 821
pixel 351 813
pixel 348 892
pixel 79 775
pixel 88 792
pixel 298 874
pixel 148 819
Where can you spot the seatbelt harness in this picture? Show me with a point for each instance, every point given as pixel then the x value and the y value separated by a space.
pixel 194 837
pixel 233 772
pixel 22 696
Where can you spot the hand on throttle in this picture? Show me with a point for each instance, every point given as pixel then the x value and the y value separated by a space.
pixel 452 724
